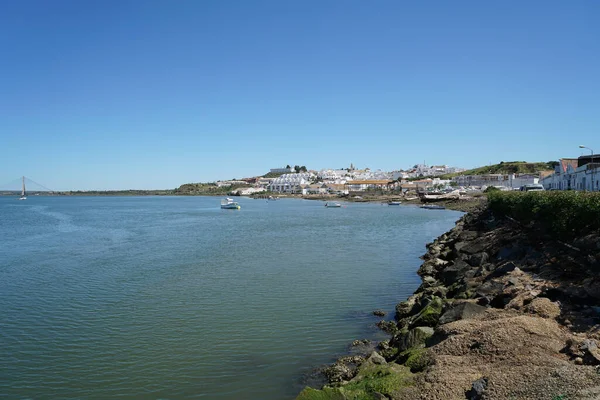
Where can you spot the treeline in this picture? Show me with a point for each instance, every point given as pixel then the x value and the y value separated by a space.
pixel 205 189
pixel 564 213
pixel 162 192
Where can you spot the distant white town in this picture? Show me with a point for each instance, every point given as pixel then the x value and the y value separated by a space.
pixel 581 173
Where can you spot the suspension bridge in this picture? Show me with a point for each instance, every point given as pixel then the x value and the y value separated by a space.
pixel 32 187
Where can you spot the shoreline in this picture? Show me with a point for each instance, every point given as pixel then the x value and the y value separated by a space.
pixel 503 311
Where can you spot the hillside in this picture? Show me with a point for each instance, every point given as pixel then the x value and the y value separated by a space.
pixel 509 167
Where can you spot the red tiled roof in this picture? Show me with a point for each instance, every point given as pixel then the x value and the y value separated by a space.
pixel 565 162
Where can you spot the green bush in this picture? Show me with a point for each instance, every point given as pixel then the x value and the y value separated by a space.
pixel 490 189
pixel 565 213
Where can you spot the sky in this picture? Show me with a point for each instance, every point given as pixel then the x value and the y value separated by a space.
pixel 144 94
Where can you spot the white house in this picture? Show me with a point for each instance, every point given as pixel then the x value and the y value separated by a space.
pixel 575 174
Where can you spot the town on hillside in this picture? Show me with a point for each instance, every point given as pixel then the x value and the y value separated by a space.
pixel 582 173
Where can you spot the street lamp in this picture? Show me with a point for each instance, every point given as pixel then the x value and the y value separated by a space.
pixel 592 154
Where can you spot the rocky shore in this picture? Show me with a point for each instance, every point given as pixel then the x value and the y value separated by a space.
pixel 504 311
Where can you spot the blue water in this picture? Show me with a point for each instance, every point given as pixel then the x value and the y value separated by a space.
pixel 172 297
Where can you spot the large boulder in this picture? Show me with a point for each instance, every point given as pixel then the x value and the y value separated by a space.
pixel 471 247
pixel 405 308
pixel 414 338
pixel 430 314
pixel 461 311
pixel 478 259
pixel 454 272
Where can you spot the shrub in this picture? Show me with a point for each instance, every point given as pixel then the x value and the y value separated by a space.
pixel 566 213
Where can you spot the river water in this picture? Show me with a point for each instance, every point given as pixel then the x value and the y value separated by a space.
pixel 172 297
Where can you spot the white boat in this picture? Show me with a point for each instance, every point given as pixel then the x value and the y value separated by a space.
pixel 229 204
pixel 433 207
pixel 332 205
pixel 23 193
pixel 394 203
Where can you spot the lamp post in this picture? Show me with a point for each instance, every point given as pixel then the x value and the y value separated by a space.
pixel 592 154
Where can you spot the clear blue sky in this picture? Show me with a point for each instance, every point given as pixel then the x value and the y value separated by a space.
pixel 153 94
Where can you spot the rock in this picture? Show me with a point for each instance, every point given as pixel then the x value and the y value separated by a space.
pixel 591 352
pixel 454 272
pixel 339 372
pixel 489 289
pixel 379 313
pixel 426 269
pixel 405 308
pixel 363 342
pixel 471 247
pixel 544 307
pixel 478 259
pixel 429 281
pixel 415 338
pixel 417 359
pixel 578 361
pixel 376 358
pixel 466 236
pixel 430 314
pixel 438 262
pixel 461 311
pixel 477 390
pixel 434 250
pixel 588 344
pixel 501 270
pixel 387 326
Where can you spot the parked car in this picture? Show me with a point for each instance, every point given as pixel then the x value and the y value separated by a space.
pixel 532 188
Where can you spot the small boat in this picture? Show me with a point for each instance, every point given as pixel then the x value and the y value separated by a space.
pixel 229 204
pixel 23 193
pixel 433 207
pixel 332 205
pixel 394 203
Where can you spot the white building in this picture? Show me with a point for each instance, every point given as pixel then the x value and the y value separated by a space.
pixel 512 181
pixel 575 174
pixel 400 175
pixel 333 175
pixel 290 183
pixel 249 191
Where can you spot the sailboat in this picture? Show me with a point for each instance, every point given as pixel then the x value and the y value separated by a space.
pixel 23 193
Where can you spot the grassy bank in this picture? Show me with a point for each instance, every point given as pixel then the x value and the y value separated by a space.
pixel 565 213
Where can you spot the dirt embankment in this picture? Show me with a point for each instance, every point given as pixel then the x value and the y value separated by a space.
pixel 505 311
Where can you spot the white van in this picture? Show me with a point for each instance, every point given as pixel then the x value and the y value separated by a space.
pixel 536 187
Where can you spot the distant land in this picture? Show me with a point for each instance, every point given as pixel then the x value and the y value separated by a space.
pixel 212 189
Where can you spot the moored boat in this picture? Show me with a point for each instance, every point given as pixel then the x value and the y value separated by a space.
pixel 394 203
pixel 23 192
pixel 433 207
pixel 229 204
pixel 332 205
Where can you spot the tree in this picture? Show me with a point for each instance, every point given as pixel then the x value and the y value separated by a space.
pixel 288 166
pixel 296 168
pixel 303 168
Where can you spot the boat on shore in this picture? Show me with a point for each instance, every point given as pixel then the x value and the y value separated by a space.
pixel 332 204
pixel 433 207
pixel 229 204
pixel 394 203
